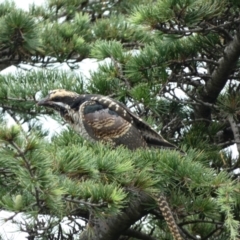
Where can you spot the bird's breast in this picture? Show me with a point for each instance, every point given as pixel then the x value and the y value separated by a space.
pixel 78 126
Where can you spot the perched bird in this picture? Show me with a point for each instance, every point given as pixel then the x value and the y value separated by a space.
pixel 100 118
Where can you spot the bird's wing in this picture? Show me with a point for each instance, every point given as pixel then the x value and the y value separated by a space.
pixel 153 138
pixel 112 109
pixel 109 123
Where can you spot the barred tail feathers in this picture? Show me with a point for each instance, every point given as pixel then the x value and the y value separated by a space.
pixel 168 216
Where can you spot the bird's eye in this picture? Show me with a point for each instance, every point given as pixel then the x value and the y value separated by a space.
pixel 57 99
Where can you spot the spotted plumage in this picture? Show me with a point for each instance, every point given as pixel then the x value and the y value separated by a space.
pixel 100 118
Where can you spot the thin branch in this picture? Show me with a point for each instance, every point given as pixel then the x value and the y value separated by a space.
pixel 194 59
pixel 187 102
pixel 187 234
pixel 185 32
pixel 120 73
pixel 137 234
pixel 196 120
pixel 104 204
pixel 11 217
pixel 213 232
pixel 13 116
pixel 227 143
pixel 211 105
pixel 199 221
pixel 174 120
pixel 22 154
pixel 133 44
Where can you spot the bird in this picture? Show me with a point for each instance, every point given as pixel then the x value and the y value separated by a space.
pixel 101 118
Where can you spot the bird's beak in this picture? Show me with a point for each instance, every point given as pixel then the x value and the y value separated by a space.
pixel 44 102
pixel 58 106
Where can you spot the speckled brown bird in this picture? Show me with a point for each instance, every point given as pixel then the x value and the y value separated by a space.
pixel 100 118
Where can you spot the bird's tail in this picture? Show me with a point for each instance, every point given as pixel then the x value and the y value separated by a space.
pixel 168 216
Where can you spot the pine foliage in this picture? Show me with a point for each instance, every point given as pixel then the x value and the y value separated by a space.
pixel 175 63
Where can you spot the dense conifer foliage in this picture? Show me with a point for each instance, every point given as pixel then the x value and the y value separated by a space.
pixel 175 64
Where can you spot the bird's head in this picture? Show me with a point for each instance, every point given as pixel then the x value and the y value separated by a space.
pixel 60 100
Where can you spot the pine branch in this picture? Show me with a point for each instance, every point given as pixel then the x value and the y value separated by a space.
pixel 111 227
pixel 30 170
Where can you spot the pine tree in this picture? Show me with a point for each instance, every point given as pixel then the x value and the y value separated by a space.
pixel 175 63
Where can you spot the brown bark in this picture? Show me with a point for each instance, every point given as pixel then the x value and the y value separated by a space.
pixel 110 228
pixel 219 77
